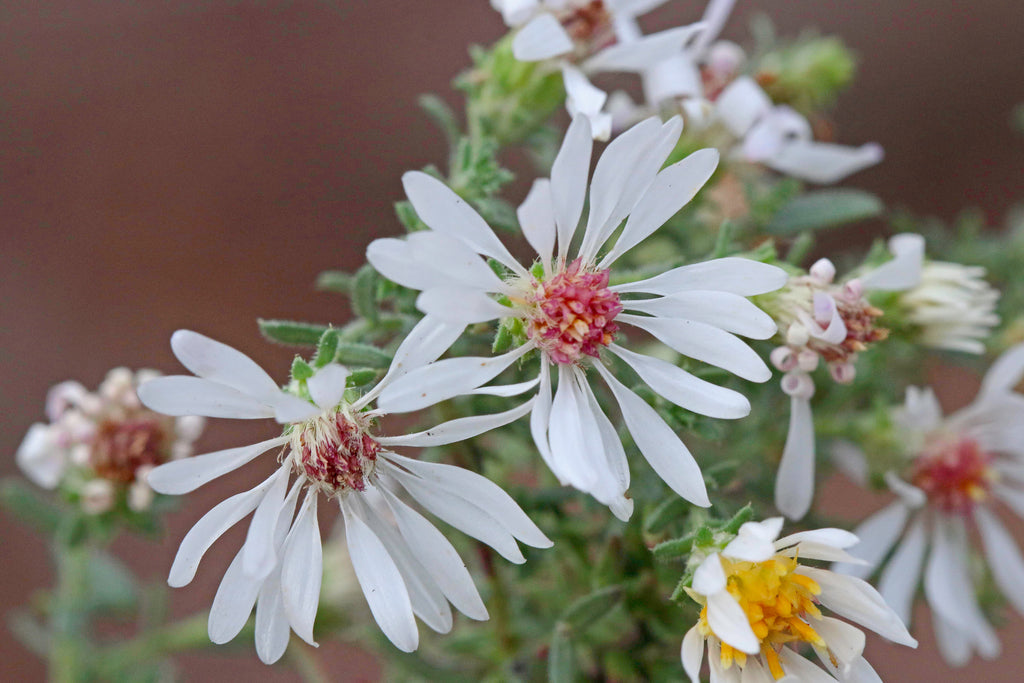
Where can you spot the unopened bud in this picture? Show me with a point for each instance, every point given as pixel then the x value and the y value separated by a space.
pixel 783 358
pixel 797 335
pixel 842 373
pixel 823 270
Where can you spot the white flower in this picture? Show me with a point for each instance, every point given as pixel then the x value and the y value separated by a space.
pixel 588 37
pixel 953 306
pixel 405 565
pixel 759 600
pixel 821 320
pixel 571 314
pixel 957 468
pixel 780 138
pixel 107 438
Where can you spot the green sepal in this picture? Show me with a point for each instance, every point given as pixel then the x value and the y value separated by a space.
pixel 301 370
pixel 327 348
pixel 291 332
pixel 360 377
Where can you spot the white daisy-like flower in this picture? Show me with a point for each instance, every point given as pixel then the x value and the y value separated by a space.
pixel 586 37
pixel 760 602
pixel 106 439
pixel 780 138
pixel 570 313
pixel 404 565
pixel 957 469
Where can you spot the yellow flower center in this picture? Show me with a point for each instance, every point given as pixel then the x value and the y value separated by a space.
pixel 777 602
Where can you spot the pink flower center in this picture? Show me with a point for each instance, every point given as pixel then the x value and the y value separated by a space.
pixel 334 452
pixel 121 447
pixel 589 24
pixel 572 314
pixel 955 474
pixel 859 317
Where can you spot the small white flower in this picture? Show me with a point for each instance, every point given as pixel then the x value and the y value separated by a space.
pixel 107 438
pixel 760 600
pixel 957 468
pixel 570 312
pixel 405 565
pixel 780 138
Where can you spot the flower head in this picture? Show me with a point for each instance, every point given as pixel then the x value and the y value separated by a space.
pixel 572 314
pixel 330 447
pixel 760 601
pixel 955 470
pixel 99 446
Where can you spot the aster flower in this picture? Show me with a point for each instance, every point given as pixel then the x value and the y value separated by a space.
pixel 98 446
pixel 955 470
pixel 570 313
pixel 587 37
pixel 781 138
pixel 404 565
pixel 759 599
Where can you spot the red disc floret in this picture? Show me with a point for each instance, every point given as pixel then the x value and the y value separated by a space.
pixel 955 474
pixel 121 447
pixel 337 456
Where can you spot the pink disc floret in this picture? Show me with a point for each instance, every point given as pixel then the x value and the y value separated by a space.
pixel 955 474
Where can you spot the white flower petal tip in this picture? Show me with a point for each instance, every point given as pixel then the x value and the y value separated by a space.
pixel 39 457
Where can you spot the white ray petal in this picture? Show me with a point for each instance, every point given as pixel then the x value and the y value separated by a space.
pixel 396 260
pixel 233 602
pixel 638 55
pixel 955 645
pixel 439 207
pixel 302 569
pixel 613 469
pixel 801 669
pixel 507 390
pixel 672 189
pixel 272 629
pixel 542 38
pixel 715 15
pixel 709 576
pixel 741 104
pixel 537 219
pixel 259 553
pixel 730 312
pixel 209 528
pixel 460 305
pixel 571 450
pixel 858 601
pixel 430 384
pixel 704 342
pixel 381 582
pixel 824 162
pixel 39 457
pixel 809 550
pixel 794 483
pixel 458 429
pixel 221 363
pixel 729 622
pixel 901 576
pixel 541 417
pixel 692 653
pixel 659 445
pixel 1004 558
pixel 877 535
pixel 1004 374
pixel 327 386
pixel 455 258
pixel 731 274
pixel 837 538
pixel 424 344
pixel 569 180
pixel 583 98
pixel 182 395
pixel 846 642
pixel 683 389
pixel 904 270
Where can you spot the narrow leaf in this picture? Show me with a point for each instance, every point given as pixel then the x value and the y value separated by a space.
pixel 290 332
pixel 824 209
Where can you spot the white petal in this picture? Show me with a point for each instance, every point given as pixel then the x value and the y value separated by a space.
pixel 794 483
pixel 458 429
pixel 856 600
pixel 327 386
pixel 233 602
pixel 836 330
pixel 507 390
pixel 846 642
pixel 730 312
pixel 715 15
pixel 289 408
pixel 272 629
pixel 672 189
pixel 660 446
pixel 683 389
pixel 824 162
pixel 424 344
pixel 259 553
pixel 537 219
pixel 709 577
pixel 955 646
pixel 444 211
pixel 1004 557
pixel 778 128
pixel 396 260
pixel 456 259
pixel 877 535
pixel 1013 497
pixel 381 582
pixel 180 395
pixel 704 342
pixel 731 274
pixel 220 363
pixel 837 538
pixel 613 478
pixel 809 550
pixel 302 569
pixel 638 55
pixel 741 104
pixel 849 459
pixel 569 180
pixel 460 305
pixel 801 669
pixel 572 446
pixel 209 528
pixel 439 558
pixel 442 380
pixel 902 574
pixel 1005 373
pixel 692 653
pixel 584 98
pixel 479 491
pixel 39 457
pixel 904 271
pixel 749 545
pixel 542 38
pixel 729 622
pixel 541 417
pixel 677 77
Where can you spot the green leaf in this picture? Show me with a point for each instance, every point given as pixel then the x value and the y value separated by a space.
pixel 334 281
pixel 561 658
pixel 361 376
pixel 327 348
pixel 586 610
pixel 364 355
pixel 111 585
pixel 25 503
pixel 290 332
pixel 671 509
pixel 824 209
pixel 441 114
pixel 673 549
pixel 364 293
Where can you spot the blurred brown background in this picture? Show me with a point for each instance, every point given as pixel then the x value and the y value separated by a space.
pixel 196 164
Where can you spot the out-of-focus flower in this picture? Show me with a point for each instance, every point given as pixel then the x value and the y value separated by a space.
pixel 955 470
pixel 761 602
pixel 99 446
pixel 404 565
pixel 569 312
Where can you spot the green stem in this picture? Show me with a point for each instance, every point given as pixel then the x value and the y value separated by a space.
pixel 67 618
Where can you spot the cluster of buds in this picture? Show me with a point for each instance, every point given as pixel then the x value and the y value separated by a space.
pixel 99 446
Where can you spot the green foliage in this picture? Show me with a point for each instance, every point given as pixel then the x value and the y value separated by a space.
pixel 290 332
pixel 824 209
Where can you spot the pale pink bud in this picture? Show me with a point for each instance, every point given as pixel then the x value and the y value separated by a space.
pixel 61 397
pixel 842 373
pixel 797 335
pixel 853 290
pixel 783 358
pixel 823 270
pixel 798 385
